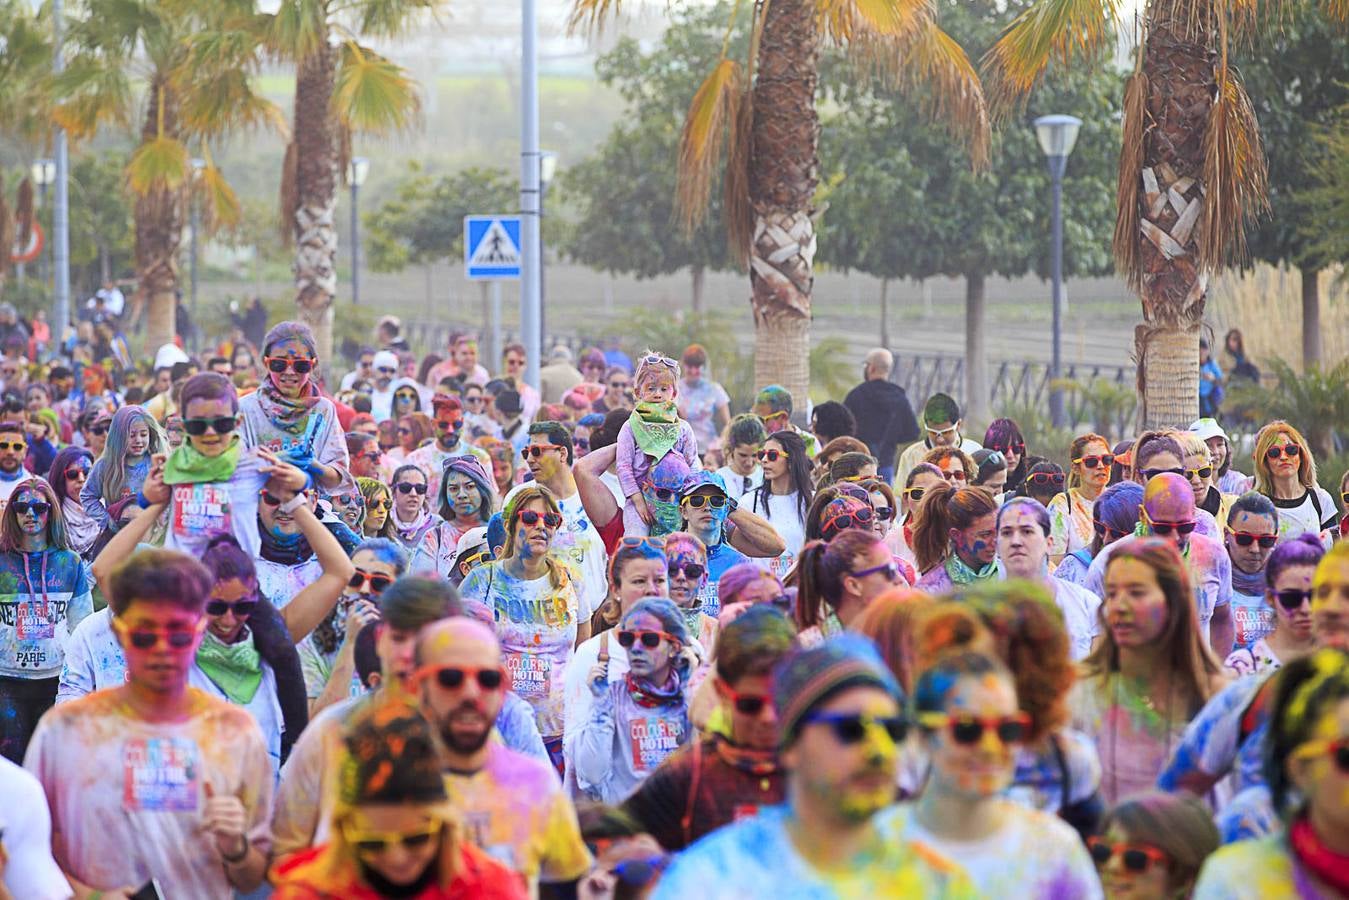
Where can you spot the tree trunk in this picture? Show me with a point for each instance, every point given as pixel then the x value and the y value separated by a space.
pixel 1179 65
pixel 782 179
pixel 699 282
pixel 316 196
pixel 976 361
pixel 159 228
pixel 1311 318
pixel 885 313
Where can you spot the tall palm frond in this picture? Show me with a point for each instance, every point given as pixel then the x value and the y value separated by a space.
pixel 715 108
pixel 1235 174
pixel 1045 31
pixel 372 94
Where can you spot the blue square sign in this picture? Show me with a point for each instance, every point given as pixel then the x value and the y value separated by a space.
pixel 492 247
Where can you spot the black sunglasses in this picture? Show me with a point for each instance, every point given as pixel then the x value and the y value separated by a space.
pixel 144 640
pixel 692 571
pixel 242 609
pixel 452 678
pixel 1245 539
pixel 1136 858
pixel 221 424
pixel 1162 529
pixel 1291 600
pixel 36 507
pixel 407 487
pixel 378 582
pixel 851 728
pixel 279 364
pixel 1149 474
pixel 99 429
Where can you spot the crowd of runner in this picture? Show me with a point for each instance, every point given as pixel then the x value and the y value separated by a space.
pixel 427 631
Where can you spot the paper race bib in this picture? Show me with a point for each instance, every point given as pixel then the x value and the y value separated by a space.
pixel 199 509
pixel 531 674
pixel 33 623
pixel 653 739
pixel 160 775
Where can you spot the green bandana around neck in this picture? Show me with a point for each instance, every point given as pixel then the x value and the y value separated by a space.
pixel 655 427
pixel 235 668
pixel 187 465
pixel 963 574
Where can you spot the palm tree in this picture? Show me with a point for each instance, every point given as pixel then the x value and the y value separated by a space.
pixel 1192 167
pixel 761 115
pixel 341 87
pixel 196 71
pixel 25 58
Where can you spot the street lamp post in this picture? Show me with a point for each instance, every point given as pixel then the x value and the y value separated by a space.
pixel 547 169
pixel 1057 134
pixel 356 173
pixel 44 173
pixel 195 223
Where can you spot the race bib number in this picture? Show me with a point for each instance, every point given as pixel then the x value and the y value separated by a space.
pixel 33 623
pixel 531 674
pixel 653 739
pixel 160 775
pixel 200 509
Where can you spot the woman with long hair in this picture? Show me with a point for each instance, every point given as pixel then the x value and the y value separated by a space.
pixel 1285 472
pixel 411 517
pixel 1287 595
pixel 1004 436
pixel 378 502
pixel 69 472
pixel 921 479
pixel 955 538
pixel 47 595
pixel 969 724
pixel 133 439
pixel 1153 845
pixel 786 492
pixel 527 580
pixel 891 621
pixel 638 721
pixel 411 435
pixel 1070 512
pixel 467 500
pixel 1307 770
pixel 837 580
pixel 1151 671
pixel 1114 515
pixel 288 416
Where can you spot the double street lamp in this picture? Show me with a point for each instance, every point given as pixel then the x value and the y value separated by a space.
pixel 1057 135
pixel 356 175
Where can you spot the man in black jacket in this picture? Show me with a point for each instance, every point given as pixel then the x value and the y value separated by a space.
pixel 884 417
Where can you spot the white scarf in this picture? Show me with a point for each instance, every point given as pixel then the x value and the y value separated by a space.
pixel 81 529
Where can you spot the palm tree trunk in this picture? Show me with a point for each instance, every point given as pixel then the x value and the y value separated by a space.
pixel 699 280
pixel 976 361
pixel 1179 66
pixel 1311 317
pixel 159 229
pixel 316 195
pixel 783 175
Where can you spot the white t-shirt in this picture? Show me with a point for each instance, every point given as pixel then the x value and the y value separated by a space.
pixel 1034 855
pixel 26 826
pixel 610 480
pixel 579 544
pixel 735 483
pixel 788 521
pixel 1297 516
pixel 1081 615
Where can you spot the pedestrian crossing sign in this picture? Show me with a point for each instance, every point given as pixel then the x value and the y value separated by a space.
pixel 492 247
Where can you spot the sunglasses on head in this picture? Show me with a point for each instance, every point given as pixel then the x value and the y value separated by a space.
pixel 533 517
pixel 656 543
pixel 16 446
pixel 36 507
pixel 772 455
pixel 374 842
pixel 969 730
pixel 1136 858
pixel 377 581
pixel 242 609
pixel 407 487
pixel 453 677
pixel 1245 539
pixel 537 450
pixel 650 639
pixel 1103 460
pixel 221 425
pixel 852 728
pixel 1164 528
pixel 1203 472
pixel 1293 599
pixel 279 364
pixel 1292 451
pixel 692 571
pixel 1045 479
pixel 698 501
pixel 859 519
pixel 747 704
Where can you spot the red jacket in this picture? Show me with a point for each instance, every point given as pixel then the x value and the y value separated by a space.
pixel 308 875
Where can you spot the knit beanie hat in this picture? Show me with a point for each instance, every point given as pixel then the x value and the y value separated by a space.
pixel 810 677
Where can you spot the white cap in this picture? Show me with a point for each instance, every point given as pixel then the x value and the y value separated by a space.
pixel 385 359
pixel 1208 428
pixel 472 538
pixel 168 355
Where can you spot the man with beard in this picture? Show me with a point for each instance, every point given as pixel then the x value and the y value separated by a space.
pixel 842 723
pixel 449 443
pixel 304 799
pixel 381 398
pixel 13 451
pixel 511 806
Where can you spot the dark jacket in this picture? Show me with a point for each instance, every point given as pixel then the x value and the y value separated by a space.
pixel 884 418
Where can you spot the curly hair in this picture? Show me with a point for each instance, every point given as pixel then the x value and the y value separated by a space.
pixel 889 620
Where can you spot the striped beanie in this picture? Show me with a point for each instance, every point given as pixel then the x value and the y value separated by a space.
pixel 809 677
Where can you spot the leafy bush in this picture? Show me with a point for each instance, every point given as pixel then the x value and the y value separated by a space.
pixel 1317 403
